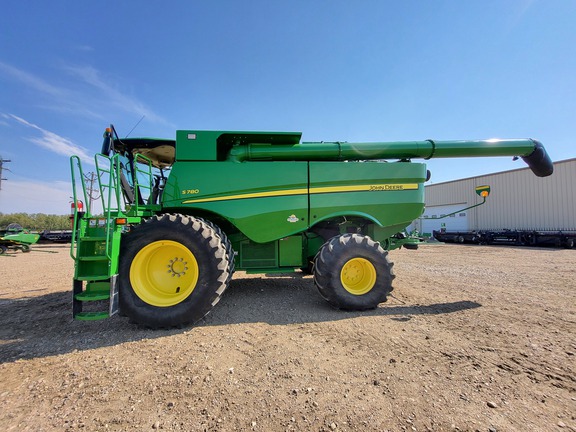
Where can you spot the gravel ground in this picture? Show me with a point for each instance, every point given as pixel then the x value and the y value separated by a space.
pixel 475 338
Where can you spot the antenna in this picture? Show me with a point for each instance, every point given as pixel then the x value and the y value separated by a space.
pixel 135 126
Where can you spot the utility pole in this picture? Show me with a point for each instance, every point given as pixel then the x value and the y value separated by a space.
pixel 92 192
pixel 1 168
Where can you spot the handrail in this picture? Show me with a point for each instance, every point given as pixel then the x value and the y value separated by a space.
pixel 107 184
pixel 76 165
pixel 108 179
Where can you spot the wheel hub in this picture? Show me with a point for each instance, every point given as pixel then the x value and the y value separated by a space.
pixel 164 273
pixel 358 276
pixel 177 267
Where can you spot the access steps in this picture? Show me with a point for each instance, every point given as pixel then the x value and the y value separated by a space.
pixel 95 287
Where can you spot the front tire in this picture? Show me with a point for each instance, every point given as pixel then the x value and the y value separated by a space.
pixel 352 272
pixel 173 270
pixel 227 245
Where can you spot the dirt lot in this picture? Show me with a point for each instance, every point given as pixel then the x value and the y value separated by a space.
pixel 476 338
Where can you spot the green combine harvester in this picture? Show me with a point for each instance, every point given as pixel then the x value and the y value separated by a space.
pixel 180 216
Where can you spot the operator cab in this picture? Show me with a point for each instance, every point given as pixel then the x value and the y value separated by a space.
pixel 158 154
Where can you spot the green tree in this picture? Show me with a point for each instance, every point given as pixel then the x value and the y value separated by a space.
pixel 35 221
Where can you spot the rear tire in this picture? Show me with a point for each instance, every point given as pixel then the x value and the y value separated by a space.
pixel 173 270
pixel 352 272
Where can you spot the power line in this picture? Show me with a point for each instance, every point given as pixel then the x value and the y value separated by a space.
pixel 2 161
pixel 92 191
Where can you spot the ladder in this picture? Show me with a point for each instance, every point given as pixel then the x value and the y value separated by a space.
pixel 95 243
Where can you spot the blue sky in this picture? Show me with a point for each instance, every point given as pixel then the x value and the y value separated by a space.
pixel 334 70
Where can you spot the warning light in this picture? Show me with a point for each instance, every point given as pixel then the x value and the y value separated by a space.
pixel 121 221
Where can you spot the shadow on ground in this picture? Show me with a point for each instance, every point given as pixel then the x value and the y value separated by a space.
pixel 40 326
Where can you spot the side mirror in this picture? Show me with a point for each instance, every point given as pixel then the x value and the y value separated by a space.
pixel 483 191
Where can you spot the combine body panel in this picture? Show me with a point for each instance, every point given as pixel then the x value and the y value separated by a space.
pixel 180 216
pixel 259 198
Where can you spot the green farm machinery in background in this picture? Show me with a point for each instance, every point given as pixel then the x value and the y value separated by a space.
pixel 16 238
pixel 179 216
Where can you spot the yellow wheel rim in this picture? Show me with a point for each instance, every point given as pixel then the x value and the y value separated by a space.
pixel 358 276
pixel 164 273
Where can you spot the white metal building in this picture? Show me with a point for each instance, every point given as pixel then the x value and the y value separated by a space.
pixel 518 200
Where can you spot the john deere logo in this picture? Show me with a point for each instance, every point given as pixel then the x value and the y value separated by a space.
pixel 292 219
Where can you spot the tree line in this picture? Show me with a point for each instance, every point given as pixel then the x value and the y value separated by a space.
pixel 36 221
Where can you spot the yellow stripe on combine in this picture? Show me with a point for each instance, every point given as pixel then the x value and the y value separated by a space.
pixel 251 195
pixel 318 190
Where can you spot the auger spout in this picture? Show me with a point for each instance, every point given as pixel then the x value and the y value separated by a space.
pixel 531 151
